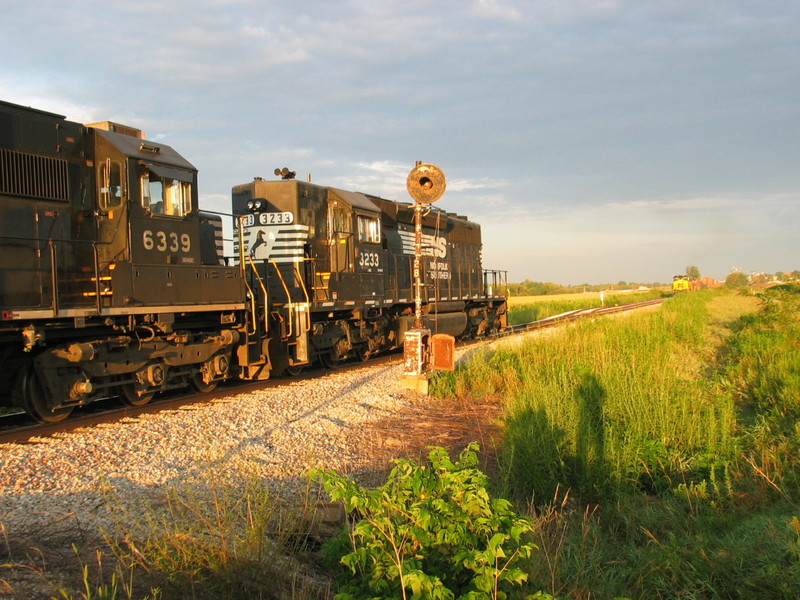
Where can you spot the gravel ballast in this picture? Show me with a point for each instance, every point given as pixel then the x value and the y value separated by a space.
pixel 275 434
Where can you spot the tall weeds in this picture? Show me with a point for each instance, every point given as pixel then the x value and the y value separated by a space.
pixel 660 451
pixel 217 539
pixel 761 373
pixel 608 406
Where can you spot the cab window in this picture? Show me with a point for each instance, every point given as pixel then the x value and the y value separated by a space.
pixel 338 221
pixel 369 229
pixel 166 192
pixel 109 183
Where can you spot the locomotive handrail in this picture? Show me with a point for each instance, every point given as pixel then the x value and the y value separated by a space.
pixel 243 258
pixel 97 288
pixel 303 287
pixel 266 295
pixel 49 239
pixel 54 275
pixel 251 295
pixel 499 279
pixel 301 278
pixel 290 304
pixel 312 279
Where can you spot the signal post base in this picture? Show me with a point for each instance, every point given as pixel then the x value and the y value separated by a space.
pixel 416 383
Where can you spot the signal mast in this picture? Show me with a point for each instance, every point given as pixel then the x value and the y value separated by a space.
pixel 423 352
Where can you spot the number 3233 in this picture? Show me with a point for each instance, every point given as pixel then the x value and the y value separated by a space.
pixel 369 259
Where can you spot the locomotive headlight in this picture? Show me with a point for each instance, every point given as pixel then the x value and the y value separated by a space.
pixel 250 205
pixel 259 204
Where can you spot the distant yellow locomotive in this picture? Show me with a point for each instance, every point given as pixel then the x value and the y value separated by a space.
pixel 680 283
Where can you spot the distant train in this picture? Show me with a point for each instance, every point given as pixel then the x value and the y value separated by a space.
pixel 681 283
pixel 113 282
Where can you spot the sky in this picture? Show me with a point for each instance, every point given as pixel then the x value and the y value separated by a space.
pixel 595 141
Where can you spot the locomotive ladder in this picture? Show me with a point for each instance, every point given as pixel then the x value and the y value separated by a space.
pixel 299 317
pixel 254 298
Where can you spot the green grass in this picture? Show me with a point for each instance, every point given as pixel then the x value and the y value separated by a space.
pixel 607 406
pixel 541 309
pixel 661 451
pixel 658 454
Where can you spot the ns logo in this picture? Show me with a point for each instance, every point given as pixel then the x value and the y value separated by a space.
pixel 434 246
pixel 431 245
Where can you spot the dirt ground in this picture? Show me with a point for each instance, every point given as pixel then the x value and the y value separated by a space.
pixel 32 567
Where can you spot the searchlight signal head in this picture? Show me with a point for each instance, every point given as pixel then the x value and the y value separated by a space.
pixel 426 183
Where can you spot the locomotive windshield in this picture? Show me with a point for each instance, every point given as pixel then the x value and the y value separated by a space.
pixel 166 191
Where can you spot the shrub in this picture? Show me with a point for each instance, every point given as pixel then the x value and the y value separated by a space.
pixel 428 532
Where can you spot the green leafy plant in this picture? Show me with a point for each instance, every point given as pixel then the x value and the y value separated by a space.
pixel 431 531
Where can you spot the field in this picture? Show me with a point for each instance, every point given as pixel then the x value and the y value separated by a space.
pixel 660 453
pixel 526 309
pixel 616 295
pixel 656 455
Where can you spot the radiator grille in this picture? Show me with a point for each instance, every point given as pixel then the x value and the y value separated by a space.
pixel 33 176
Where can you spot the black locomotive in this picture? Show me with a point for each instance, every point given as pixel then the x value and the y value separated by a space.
pixel 113 282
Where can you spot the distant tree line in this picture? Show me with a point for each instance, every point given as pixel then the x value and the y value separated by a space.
pixel 540 288
pixel 735 279
pixel 738 279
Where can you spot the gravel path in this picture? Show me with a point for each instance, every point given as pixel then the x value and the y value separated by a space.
pixel 276 434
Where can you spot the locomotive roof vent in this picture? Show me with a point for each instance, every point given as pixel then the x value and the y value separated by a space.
pixel 117 128
pixel 144 147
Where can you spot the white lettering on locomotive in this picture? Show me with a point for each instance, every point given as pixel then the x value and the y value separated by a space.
pixel 369 259
pixel 439 270
pixel 163 241
pixel 272 218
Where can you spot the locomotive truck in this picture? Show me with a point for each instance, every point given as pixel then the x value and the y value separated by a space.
pixel 114 283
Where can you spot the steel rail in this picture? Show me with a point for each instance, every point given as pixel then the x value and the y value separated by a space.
pixel 20 428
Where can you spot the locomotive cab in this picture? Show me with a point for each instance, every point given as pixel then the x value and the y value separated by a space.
pixel 357 257
pixel 149 228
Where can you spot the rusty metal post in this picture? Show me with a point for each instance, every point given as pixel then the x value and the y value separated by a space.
pixel 426 184
pixel 418 208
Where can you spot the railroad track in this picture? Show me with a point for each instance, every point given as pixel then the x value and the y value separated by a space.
pixel 582 313
pixel 20 428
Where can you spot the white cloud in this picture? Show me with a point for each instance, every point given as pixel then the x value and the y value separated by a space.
pixel 496 9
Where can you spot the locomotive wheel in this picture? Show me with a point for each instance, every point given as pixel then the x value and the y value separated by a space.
pixel 329 359
pixel 200 385
pixel 294 370
pixel 34 400
pixel 129 395
pixel 362 352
